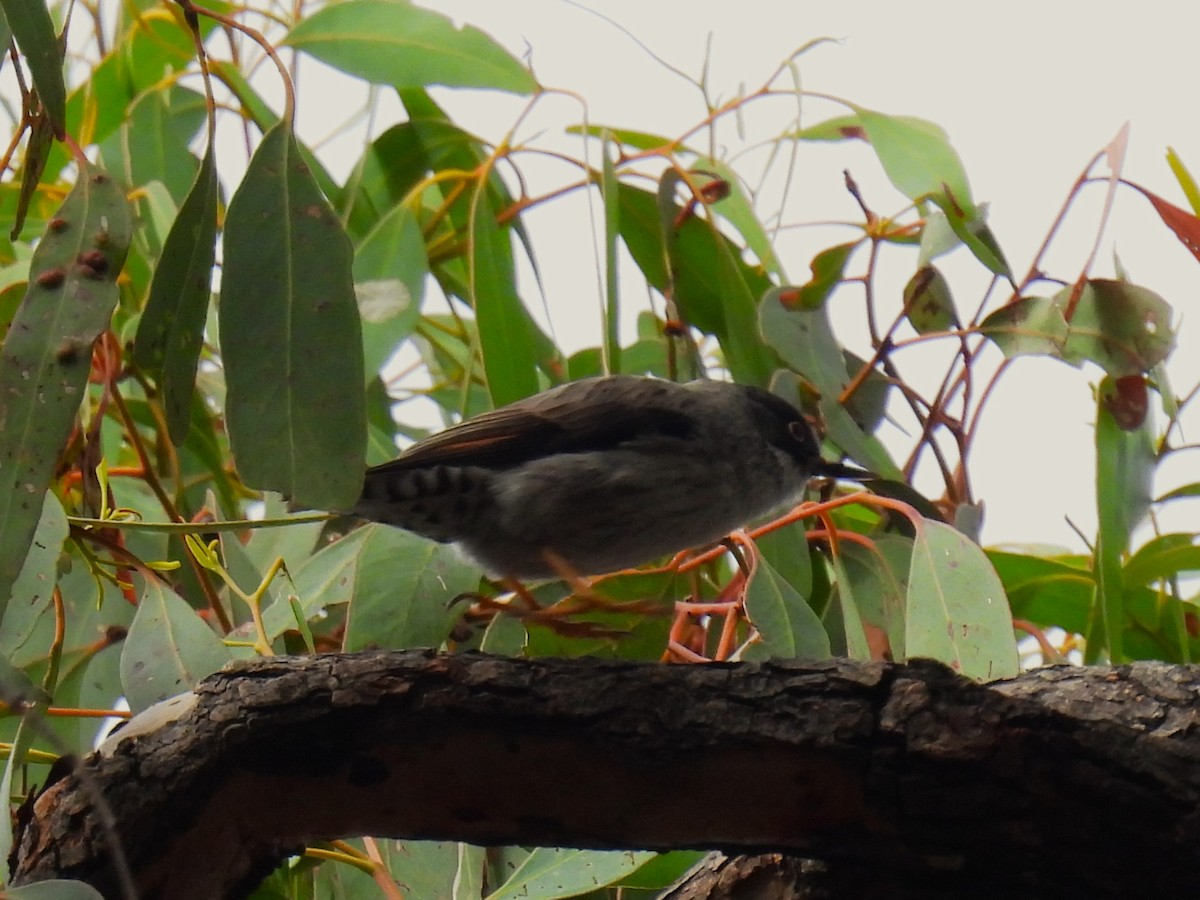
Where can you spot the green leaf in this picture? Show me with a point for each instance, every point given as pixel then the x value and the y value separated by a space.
pixel 839 128
pixel 928 303
pixel 827 267
pixel 1166 556
pixel 390 268
pixel 805 341
pixel 152 144
pixel 918 159
pixel 1048 591
pixel 403 591
pixel 1186 182
pixel 738 209
pixel 171 331
pixel 957 611
pixel 1123 328
pixel 33 586
pixel 290 334
pixel 168 649
pixel 787 625
pixel 550 872
pixel 442 869
pixel 1031 326
pixel 505 337
pixel 857 646
pixel 31 25
pixel 714 288
pixel 396 43
pixel 323 581
pixel 46 356
pixel 878 576
pixel 638 140
pixel 610 193
pixel 1125 464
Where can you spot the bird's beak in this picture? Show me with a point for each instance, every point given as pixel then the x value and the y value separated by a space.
pixel 825 469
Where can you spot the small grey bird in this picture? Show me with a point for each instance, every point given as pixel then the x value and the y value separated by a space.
pixel 600 475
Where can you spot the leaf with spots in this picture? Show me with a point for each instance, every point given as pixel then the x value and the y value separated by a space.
pixel 47 352
pixel 957 612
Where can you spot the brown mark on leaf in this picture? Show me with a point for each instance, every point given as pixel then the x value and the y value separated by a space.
pixel 58 225
pixel 68 351
pixel 853 131
pixel 95 260
pixel 51 278
pixel 1129 401
pixel 715 190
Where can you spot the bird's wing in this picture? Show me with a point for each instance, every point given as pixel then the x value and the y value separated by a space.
pixel 592 414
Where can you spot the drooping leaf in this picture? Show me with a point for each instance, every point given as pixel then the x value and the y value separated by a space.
pixel 505 338
pixel 46 355
pixel 171 332
pixel 611 195
pixel 738 208
pixel 168 649
pixel 714 288
pixel 1125 464
pixel 396 43
pixel 290 334
pixel 956 608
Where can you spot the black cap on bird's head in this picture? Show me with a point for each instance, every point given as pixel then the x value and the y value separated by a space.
pixel 785 427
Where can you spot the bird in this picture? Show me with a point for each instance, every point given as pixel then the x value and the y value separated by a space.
pixel 600 475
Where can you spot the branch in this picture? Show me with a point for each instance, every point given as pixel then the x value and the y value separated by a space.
pixel 1066 780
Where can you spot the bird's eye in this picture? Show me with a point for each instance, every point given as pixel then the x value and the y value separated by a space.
pixel 800 432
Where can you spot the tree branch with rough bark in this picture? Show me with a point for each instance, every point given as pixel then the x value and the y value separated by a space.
pixel 900 775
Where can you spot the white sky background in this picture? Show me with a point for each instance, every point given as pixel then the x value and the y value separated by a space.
pixel 1028 92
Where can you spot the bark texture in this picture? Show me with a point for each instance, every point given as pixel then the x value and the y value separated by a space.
pixel 889 780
